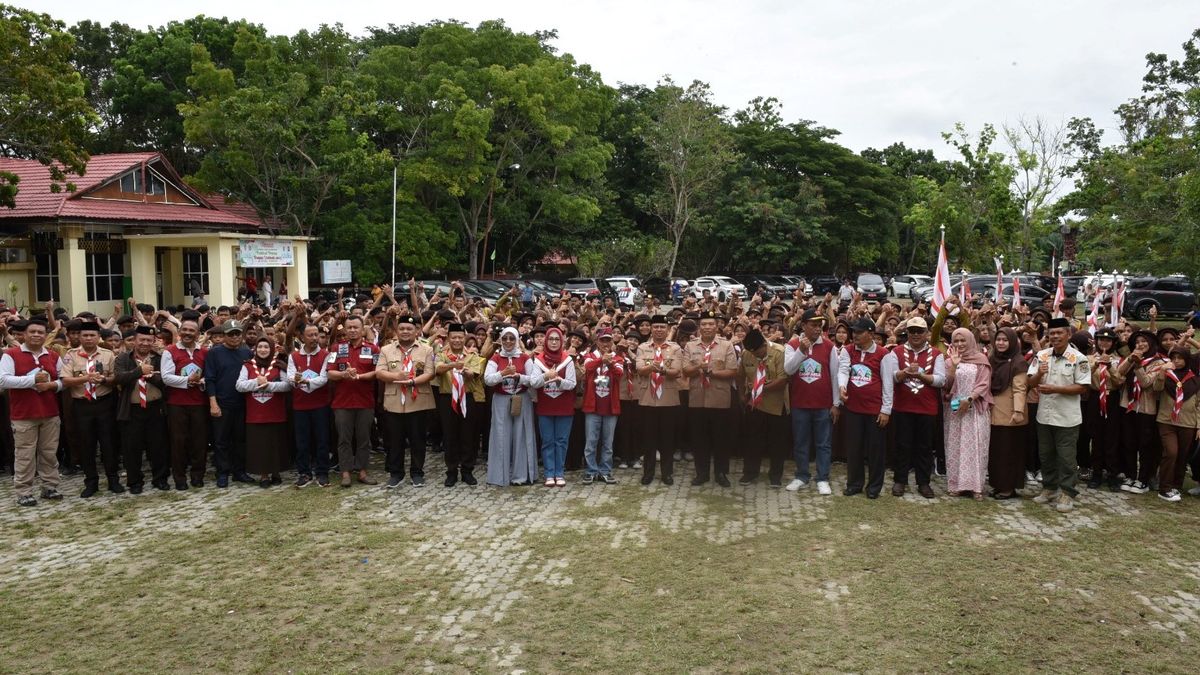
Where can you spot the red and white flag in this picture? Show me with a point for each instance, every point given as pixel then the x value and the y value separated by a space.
pixel 966 290
pixel 999 280
pixel 1016 292
pixel 1118 302
pixel 1059 296
pixel 941 279
pixel 1093 319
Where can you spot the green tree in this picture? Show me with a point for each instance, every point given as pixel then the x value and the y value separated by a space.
pixel 43 112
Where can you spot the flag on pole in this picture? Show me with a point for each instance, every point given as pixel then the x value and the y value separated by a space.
pixel 941 279
pixel 966 289
pixel 1059 296
pixel 1118 303
pixel 1093 319
pixel 1016 292
pixel 493 256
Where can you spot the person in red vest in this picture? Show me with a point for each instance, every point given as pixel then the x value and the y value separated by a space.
pixel 30 373
pixel 813 362
pixel 306 370
pixel 918 372
pixel 351 366
pixel 512 444
pixel 603 371
pixel 263 382
pixel 187 409
pixel 553 375
pixel 866 396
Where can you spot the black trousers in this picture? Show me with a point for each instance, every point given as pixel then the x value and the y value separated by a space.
pixel 229 441
pixel 144 434
pixel 864 443
pixel 7 444
pixel 766 435
pixel 1139 446
pixel 189 441
pixel 709 428
pixel 657 434
pixel 914 446
pixel 458 433
pixel 627 444
pixel 406 429
pixel 95 421
pixel 1106 440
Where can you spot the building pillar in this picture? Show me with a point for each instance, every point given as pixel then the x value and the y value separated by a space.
pixel 141 271
pixel 174 291
pixel 221 273
pixel 298 273
pixel 72 273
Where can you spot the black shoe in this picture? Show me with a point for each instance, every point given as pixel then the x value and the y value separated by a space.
pixel 197 482
pixel 646 480
pixel 323 481
pixel 776 483
pixel 468 477
pixel 451 479
pixel 589 479
pixel 668 480
pixel 699 480
pixel 418 481
pixel 181 485
pixel 115 487
pixel 276 479
pixel 244 477
pixel 850 492
pixel 747 479
pixel 1094 484
pixel 135 489
pixel 26 500
pixel 264 483
pixel 872 495
pixel 222 481
pixel 394 479
pixel 302 480
pixel 52 494
pixel 723 480
pixel 69 470
pixel 608 479
pixel 89 490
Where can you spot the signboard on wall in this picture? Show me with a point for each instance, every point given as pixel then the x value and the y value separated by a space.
pixel 265 253
pixel 335 271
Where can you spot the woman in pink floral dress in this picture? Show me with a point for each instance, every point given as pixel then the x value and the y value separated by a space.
pixel 968 415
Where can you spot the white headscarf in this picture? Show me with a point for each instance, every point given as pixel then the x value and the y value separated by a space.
pixel 516 350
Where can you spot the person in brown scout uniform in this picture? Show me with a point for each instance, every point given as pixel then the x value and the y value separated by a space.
pixel 659 365
pixel 406 368
pixel 88 373
pixel 140 412
pixel 764 390
pixel 712 365
pixel 461 392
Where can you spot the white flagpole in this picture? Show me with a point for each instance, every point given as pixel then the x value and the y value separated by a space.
pixel 394 172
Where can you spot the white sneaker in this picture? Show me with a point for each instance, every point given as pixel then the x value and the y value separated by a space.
pixel 796 484
pixel 1195 492
pixel 1137 487
pixel 1065 503
pixel 823 488
pixel 1038 476
pixel 1172 496
pixel 1029 477
pixel 1046 497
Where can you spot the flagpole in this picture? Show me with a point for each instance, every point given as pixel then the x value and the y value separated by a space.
pixel 394 172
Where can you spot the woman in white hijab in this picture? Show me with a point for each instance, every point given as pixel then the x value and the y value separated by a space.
pixel 512 445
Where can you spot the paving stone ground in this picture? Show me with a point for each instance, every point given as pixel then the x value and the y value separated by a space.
pixel 484 533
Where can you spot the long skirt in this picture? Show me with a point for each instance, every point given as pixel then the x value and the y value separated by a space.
pixel 267 448
pixel 512 443
pixel 967 437
pixel 1006 458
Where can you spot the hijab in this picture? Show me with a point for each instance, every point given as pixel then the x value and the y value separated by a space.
pixel 1006 364
pixel 516 350
pixel 972 354
pixel 1191 386
pixel 553 358
pixel 263 365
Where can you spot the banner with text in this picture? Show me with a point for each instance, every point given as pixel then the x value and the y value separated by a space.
pixel 265 253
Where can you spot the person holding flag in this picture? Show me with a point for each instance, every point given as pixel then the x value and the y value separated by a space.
pixel 941 279
pixel 764 393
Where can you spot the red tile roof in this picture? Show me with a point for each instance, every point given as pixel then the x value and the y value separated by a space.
pixel 35 200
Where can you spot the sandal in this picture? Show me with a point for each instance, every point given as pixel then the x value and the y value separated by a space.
pixel 549 482
pixel 978 496
pixel 560 482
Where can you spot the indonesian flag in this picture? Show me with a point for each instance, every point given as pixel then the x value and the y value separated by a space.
pixel 1016 292
pixel 999 280
pixel 941 279
pixel 966 290
pixel 1059 296
pixel 1118 303
pixel 1093 319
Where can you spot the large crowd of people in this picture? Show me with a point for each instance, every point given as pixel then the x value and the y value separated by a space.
pixel 988 396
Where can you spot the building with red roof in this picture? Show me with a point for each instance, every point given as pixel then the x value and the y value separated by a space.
pixel 133 228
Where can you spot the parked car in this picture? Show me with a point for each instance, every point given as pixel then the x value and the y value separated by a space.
pixel 1173 296
pixel 720 286
pixel 903 284
pixel 765 284
pixel 871 288
pixel 589 288
pixel 796 281
pixel 1031 296
pixel 629 290
pixel 825 283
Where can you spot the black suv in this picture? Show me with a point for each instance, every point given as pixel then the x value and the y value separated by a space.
pixel 1173 295
pixel 770 286
pixel 589 288
pixel 825 283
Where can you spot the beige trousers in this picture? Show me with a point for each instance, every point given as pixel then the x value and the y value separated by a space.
pixel 36 453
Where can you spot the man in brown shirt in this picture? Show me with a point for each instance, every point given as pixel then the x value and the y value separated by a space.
pixel 140 412
pixel 711 366
pixel 87 371
pixel 767 429
pixel 406 368
pixel 659 366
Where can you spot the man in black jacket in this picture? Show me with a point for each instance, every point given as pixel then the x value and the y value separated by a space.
pixel 140 412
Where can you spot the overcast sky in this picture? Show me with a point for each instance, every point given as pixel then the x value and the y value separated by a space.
pixel 879 71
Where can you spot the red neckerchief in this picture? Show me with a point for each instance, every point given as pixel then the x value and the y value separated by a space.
pixel 1136 396
pixel 1179 382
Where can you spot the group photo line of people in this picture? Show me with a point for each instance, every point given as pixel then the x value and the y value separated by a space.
pixel 989 396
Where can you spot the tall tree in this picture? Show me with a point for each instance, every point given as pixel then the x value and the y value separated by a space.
pixel 1037 153
pixel 43 112
pixel 693 149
